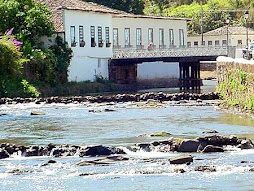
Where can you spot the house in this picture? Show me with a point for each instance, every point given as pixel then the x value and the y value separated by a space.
pixel 95 33
pixel 237 36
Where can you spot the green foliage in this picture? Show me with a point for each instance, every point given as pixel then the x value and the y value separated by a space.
pixel 10 59
pixel 11 71
pixel 42 68
pixel 131 6
pixel 29 90
pixel 30 20
pixel 237 89
pixel 212 16
pixel 102 80
pixel 49 67
pixel 17 88
pixel 63 54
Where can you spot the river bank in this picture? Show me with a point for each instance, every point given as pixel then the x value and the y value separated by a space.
pixel 137 97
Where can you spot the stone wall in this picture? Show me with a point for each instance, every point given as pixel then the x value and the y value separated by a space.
pixel 225 65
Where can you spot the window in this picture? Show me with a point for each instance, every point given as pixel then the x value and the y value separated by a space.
pixel 139 37
pixel 72 34
pixel 127 42
pixel 203 43
pixel 210 43
pixel 181 37
pixel 224 42
pixel 115 37
pixel 92 31
pixel 171 38
pixel 195 43
pixel 161 38
pixel 239 42
pixel 150 35
pixel 188 44
pixel 107 37
pixel 81 36
pixel 100 41
pixel 217 43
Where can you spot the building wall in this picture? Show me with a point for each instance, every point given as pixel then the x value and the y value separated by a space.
pixel 233 40
pixel 157 70
pixel 88 61
pixel 145 24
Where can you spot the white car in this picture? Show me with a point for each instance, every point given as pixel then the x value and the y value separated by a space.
pixel 249 51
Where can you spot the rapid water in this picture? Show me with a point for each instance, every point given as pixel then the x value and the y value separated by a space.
pixel 127 125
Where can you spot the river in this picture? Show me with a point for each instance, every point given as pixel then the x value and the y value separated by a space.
pixel 74 124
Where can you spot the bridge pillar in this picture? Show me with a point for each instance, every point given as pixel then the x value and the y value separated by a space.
pixel 189 75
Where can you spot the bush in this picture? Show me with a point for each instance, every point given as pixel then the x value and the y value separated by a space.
pixel 42 68
pixel 63 54
pixel 17 88
pixel 10 59
pixel 29 90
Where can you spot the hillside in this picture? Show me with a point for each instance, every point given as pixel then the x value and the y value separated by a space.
pixel 214 12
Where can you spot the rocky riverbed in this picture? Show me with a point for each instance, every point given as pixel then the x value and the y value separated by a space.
pixel 118 145
pixel 206 144
pixel 139 97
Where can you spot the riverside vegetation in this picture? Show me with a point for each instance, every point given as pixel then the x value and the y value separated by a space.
pixel 236 89
pixel 28 64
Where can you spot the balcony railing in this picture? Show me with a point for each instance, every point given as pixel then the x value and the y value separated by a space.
pixel 175 52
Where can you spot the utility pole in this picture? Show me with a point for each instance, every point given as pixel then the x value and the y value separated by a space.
pixel 246 16
pixel 202 30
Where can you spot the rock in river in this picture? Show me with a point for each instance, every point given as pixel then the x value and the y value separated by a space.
pixel 205 168
pixel 99 150
pixel 246 144
pixel 3 154
pixel 190 145
pixel 181 160
pixel 37 113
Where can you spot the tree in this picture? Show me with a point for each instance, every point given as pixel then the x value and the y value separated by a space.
pixel 30 20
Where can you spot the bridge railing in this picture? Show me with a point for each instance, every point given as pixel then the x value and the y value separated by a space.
pixel 175 52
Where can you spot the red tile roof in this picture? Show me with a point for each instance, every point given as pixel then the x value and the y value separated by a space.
pixel 56 7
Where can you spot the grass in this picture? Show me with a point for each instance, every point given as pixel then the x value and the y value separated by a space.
pixel 237 89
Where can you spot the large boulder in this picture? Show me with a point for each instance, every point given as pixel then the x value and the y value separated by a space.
pixel 190 145
pixel 4 154
pixel 211 148
pixel 218 140
pixel 98 150
pixel 181 160
pixel 31 152
pixel 246 144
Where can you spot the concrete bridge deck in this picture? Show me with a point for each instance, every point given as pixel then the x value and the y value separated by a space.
pixel 175 52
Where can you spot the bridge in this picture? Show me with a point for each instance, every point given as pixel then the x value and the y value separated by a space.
pixel 123 65
pixel 175 52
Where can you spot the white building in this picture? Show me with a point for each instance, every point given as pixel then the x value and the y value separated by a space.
pixel 95 32
pixel 237 36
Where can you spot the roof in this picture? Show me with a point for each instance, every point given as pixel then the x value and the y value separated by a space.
pixel 232 30
pixel 57 5
pixel 128 15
